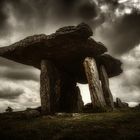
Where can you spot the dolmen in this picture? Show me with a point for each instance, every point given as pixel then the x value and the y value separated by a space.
pixel 65 58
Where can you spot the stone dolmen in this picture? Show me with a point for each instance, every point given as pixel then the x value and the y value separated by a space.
pixel 65 58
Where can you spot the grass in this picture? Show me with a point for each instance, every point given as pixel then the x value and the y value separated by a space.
pixel 118 125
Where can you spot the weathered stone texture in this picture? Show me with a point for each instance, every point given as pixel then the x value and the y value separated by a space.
pixel 49 87
pixel 111 64
pixel 96 93
pixel 60 58
pixel 70 99
pixel 105 86
pixel 79 104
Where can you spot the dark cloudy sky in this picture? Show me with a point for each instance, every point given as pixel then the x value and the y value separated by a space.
pixel 116 23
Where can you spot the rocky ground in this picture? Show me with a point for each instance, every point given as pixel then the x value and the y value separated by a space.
pixel 118 125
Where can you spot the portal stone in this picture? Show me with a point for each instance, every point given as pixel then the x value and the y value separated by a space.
pixel 49 87
pixel 70 99
pixel 79 104
pixel 105 86
pixel 96 93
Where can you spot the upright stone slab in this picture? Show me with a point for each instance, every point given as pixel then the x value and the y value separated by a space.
pixel 70 100
pixel 58 90
pixel 49 87
pixel 96 93
pixel 105 86
pixel 79 101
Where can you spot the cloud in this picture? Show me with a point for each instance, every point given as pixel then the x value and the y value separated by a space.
pixel 131 59
pixel 127 85
pixel 37 14
pixel 122 34
pixel 88 10
pixel 113 4
pixel 20 75
pixel 9 93
pixel 31 12
pixel 132 80
pixel 30 96
pixel 3 17
pixel 10 70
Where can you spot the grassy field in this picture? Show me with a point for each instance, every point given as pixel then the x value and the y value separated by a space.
pixel 118 125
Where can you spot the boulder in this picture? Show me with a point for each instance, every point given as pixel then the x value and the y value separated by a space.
pixel 88 108
pixel 120 104
pixel 30 113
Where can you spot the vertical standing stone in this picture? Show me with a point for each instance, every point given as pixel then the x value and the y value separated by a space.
pixel 69 93
pixel 79 102
pixel 49 87
pixel 96 93
pixel 45 88
pixel 105 86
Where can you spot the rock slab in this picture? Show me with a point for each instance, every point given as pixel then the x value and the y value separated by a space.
pixel 105 86
pixel 95 89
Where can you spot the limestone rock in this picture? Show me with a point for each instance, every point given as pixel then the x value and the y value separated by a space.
pixel 111 64
pixel 96 93
pixel 70 99
pixel 58 91
pixel 49 87
pixel 105 86
pixel 120 104
pixel 78 102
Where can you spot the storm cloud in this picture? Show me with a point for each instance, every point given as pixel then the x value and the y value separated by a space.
pixel 11 70
pixel 9 93
pixel 3 19
pixel 123 34
pixel 20 75
pixel 31 15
